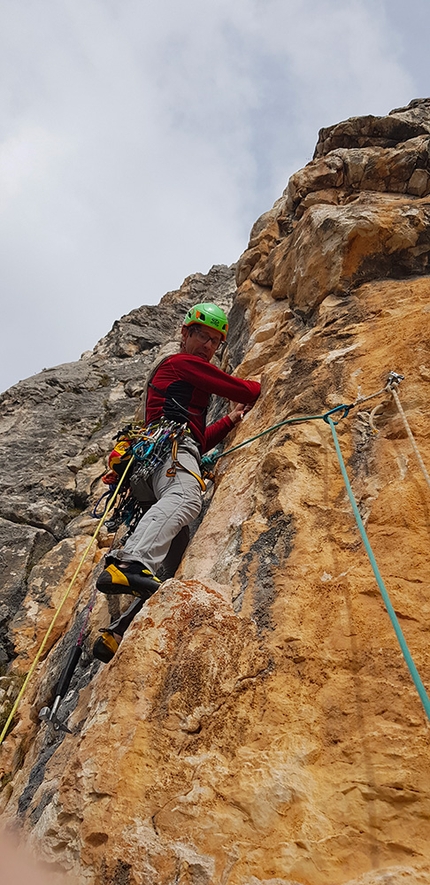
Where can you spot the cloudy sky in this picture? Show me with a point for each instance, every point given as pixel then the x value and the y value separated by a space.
pixel 140 140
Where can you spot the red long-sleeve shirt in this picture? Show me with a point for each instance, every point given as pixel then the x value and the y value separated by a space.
pixel 180 390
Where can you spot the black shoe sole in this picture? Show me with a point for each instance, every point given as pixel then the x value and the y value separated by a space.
pixel 137 584
pixel 102 651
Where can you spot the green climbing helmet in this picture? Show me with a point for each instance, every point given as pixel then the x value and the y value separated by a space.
pixel 208 315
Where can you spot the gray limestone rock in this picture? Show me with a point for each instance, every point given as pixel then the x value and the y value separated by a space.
pixel 54 426
pixel 56 429
pixel 21 547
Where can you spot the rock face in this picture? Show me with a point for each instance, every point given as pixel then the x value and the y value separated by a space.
pixel 56 428
pixel 258 725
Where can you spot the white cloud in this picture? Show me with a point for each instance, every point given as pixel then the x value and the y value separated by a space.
pixel 139 142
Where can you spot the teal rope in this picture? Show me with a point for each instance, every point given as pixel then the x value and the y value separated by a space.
pixel 210 460
pixel 397 629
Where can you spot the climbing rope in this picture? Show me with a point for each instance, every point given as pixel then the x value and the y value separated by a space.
pixel 208 461
pixel 343 411
pixel 365 399
pixel 392 384
pixel 397 629
pixel 62 602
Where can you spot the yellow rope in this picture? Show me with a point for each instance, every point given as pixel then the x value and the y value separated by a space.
pixel 63 600
pixel 389 387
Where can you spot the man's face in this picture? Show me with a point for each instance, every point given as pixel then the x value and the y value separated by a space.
pixel 200 341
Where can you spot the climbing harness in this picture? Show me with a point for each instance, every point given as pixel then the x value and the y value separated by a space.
pixel 146 447
pixel 149 447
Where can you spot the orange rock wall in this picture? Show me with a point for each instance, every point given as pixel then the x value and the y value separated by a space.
pixel 258 725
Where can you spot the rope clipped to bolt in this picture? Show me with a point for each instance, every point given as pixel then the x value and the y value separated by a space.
pixel 208 462
pixel 383 590
pixel 342 411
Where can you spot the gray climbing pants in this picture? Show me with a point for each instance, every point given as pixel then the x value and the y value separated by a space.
pixel 179 501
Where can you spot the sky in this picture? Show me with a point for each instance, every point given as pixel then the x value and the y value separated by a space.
pixel 140 140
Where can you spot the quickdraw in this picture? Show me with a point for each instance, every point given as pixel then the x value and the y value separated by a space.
pixel 148 447
pixel 148 455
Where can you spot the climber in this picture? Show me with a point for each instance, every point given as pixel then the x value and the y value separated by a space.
pixel 178 390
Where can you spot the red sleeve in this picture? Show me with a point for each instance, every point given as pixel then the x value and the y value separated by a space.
pixel 216 432
pixel 213 380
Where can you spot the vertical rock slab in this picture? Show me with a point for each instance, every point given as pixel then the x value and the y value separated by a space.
pixel 48 589
pixel 259 725
pixel 21 546
pixel 176 709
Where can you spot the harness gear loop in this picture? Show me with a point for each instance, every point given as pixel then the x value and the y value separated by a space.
pixel 106 495
pixel 176 465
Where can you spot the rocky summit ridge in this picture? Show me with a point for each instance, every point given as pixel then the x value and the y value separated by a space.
pixel 258 725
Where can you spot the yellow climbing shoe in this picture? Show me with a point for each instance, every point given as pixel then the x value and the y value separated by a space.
pixel 128 577
pixel 105 647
